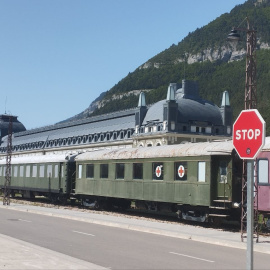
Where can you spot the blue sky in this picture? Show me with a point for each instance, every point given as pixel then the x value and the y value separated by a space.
pixel 57 56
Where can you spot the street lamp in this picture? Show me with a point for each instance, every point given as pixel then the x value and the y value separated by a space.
pixel 248 166
pixel 250 85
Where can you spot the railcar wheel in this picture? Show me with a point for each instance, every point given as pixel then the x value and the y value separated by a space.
pixel 215 221
pixel 63 200
pixel 268 224
pixel 179 214
pixel 53 198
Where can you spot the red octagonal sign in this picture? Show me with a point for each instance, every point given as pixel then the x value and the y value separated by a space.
pixel 248 134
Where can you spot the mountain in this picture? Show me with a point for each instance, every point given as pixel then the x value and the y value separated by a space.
pixel 206 57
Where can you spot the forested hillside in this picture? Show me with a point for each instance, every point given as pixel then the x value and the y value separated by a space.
pixel 207 57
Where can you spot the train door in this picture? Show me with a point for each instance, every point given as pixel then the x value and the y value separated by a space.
pixel 223 179
pixel 58 173
pixel 71 176
pixel 263 184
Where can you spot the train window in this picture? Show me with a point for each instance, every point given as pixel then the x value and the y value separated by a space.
pixel 41 170
pixel 27 171
pixel 21 170
pixel 223 172
pixel 137 170
pixel 201 171
pixel 120 171
pixel 1 170
pixel 55 170
pixel 90 171
pixel 158 171
pixel 62 170
pixel 80 171
pixel 49 170
pixel 34 171
pixel 15 171
pixel 104 170
pixel 180 169
pixel 263 172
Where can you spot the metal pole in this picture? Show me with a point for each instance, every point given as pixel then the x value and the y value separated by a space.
pixel 250 213
pixel 6 197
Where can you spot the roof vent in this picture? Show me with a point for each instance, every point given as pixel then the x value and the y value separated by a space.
pixel 225 99
pixel 171 91
pixel 142 102
pixel 190 89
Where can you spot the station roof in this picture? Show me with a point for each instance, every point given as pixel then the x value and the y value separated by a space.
pixel 189 110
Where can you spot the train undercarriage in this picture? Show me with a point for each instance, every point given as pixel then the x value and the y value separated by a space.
pixel 213 215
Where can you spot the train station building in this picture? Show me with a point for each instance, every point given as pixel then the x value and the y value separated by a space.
pixel 182 117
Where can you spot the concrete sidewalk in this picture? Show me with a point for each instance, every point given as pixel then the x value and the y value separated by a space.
pixel 178 230
pixel 17 254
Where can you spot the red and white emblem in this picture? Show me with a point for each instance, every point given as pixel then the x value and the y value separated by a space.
pixel 158 171
pixel 181 171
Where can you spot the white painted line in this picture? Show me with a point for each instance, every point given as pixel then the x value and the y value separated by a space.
pixel 191 257
pixel 84 233
pixel 24 220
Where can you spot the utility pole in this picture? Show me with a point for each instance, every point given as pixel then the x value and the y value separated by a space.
pixel 6 198
pixel 250 103
pixel 249 216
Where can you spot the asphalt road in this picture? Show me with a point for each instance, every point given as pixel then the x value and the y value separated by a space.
pixel 120 248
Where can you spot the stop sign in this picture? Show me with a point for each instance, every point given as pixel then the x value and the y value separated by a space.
pixel 248 134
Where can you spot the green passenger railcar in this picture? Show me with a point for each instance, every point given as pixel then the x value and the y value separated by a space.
pixel 52 176
pixel 197 180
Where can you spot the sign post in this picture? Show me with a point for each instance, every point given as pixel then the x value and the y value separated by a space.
pixel 248 140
